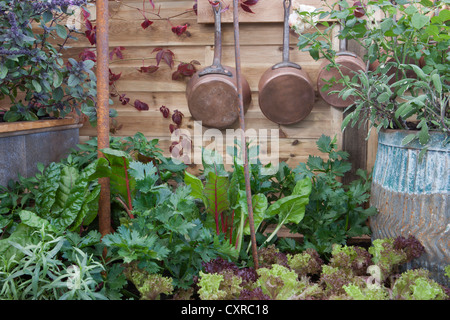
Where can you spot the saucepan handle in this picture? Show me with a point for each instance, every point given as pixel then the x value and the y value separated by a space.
pixel 216 67
pixel 286 63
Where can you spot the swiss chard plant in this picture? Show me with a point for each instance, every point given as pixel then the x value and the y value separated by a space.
pixel 224 197
pixel 61 196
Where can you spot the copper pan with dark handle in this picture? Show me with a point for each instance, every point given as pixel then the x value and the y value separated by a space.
pixel 286 93
pixel 349 64
pixel 212 92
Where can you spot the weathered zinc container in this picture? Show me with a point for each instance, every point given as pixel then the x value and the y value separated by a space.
pixel 24 144
pixel 413 197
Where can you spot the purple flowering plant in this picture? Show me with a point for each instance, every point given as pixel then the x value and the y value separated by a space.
pixel 34 76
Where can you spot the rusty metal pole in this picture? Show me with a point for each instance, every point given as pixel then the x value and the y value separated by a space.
pixel 243 139
pixel 104 210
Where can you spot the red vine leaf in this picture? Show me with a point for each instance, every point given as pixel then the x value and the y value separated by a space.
pixel 173 127
pixel 149 69
pixel 359 9
pixel 164 54
pixel 141 106
pixel 246 8
pixel 165 111
pixel 247 4
pixel 88 55
pixel 179 30
pixel 194 7
pixel 124 100
pixel 86 14
pixel 213 3
pixel 116 51
pixel 177 117
pixel 147 23
pixel 113 77
pixel 185 70
pixel 91 32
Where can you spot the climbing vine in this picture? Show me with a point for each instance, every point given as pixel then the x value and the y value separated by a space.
pixel 151 12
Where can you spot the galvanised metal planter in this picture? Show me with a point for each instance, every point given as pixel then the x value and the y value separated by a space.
pixel 24 144
pixel 413 198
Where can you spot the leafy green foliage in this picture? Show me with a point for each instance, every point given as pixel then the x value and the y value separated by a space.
pixel 386 256
pixel 209 284
pixel 33 74
pixel 150 286
pixel 39 272
pixel 16 196
pixel 305 263
pixel 167 233
pixel 279 282
pixel 335 211
pixel 416 285
pixel 290 209
pixel 66 196
pixel 131 246
pixel 407 83
pixel 361 292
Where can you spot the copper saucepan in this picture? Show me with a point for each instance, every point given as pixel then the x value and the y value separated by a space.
pixel 349 64
pixel 286 93
pixel 212 92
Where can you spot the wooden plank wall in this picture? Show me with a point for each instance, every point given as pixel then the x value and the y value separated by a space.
pixel 261 47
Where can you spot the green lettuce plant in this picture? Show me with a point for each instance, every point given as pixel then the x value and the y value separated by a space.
pixel 416 285
pixel 279 282
pixel 225 285
pixel 386 256
pixel 150 286
pixel 365 292
pixel 209 284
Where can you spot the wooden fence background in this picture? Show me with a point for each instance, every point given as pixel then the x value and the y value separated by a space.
pixel 261 47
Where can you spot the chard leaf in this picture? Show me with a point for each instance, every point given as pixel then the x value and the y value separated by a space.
pixel 47 189
pixel 259 204
pixel 216 193
pixel 196 186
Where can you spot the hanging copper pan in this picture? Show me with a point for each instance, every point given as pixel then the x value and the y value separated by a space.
pixel 286 93
pixel 212 92
pixel 350 63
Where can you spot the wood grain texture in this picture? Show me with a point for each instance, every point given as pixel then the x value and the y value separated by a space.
pixel 264 11
pixel 261 48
